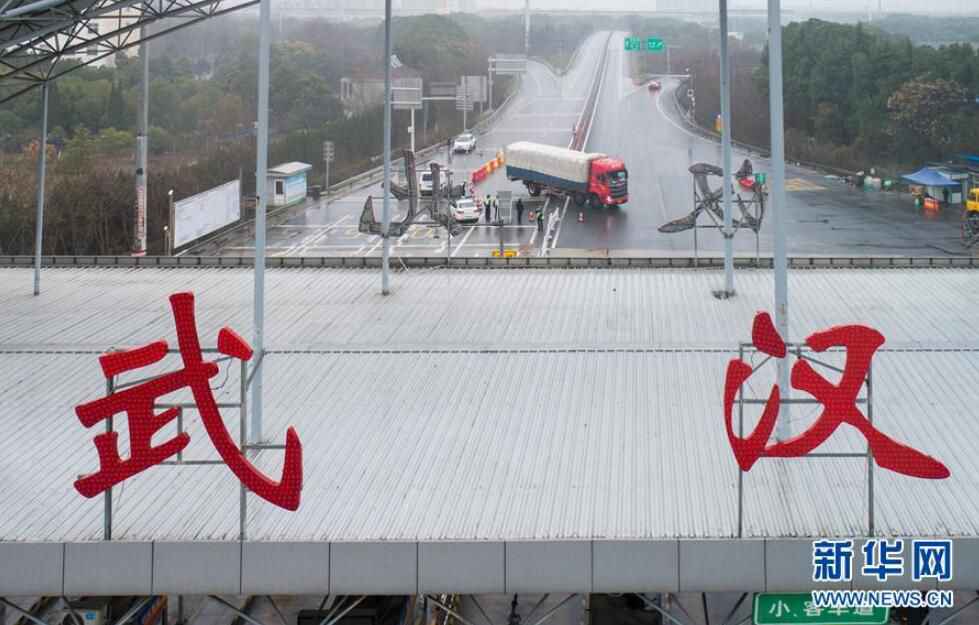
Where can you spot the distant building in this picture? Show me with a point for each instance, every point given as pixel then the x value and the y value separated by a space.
pixel 101 54
pixel 363 91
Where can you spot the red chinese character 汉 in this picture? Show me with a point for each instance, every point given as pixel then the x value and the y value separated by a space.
pixel 137 402
pixel 839 402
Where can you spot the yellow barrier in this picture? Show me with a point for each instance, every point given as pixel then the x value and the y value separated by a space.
pixel 506 253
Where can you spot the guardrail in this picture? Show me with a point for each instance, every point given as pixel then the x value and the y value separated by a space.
pixel 409 262
pixel 581 128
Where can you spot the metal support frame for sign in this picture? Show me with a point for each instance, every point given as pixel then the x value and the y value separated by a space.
pixel 803 352
pixel 247 376
pixel 441 604
pixel 708 201
pixel 369 223
pixel 122 620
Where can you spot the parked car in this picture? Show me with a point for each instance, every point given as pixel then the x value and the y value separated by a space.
pixel 425 182
pixel 465 209
pixel 655 85
pixel 465 142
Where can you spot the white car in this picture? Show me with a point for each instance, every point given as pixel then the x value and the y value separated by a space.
pixel 465 209
pixel 425 182
pixel 464 143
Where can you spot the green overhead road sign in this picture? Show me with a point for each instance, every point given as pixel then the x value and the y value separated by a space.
pixel 655 44
pixel 790 608
pixel 633 43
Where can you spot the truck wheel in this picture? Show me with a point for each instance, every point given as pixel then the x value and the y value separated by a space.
pixel 533 189
pixel 594 202
pixel 579 198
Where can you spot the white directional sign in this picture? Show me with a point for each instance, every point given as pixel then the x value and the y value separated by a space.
pixel 441 89
pixel 406 93
pixel 508 64
pixel 464 99
pixel 476 86
pixel 328 151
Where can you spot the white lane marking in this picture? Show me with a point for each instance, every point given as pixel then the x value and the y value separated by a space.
pixel 316 238
pixel 557 233
pixel 463 242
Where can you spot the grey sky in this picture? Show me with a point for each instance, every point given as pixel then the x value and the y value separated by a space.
pixel 909 6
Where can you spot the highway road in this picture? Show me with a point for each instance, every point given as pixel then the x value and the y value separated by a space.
pixel 544 110
pixel 822 216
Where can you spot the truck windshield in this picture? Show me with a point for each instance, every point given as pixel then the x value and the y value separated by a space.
pixel 618 176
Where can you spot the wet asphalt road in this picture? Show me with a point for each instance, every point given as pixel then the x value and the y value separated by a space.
pixel 544 110
pixel 823 217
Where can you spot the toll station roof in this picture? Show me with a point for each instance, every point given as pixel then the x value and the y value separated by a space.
pixel 480 431
pixel 931 178
pixel 289 169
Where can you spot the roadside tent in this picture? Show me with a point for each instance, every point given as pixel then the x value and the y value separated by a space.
pixel 928 177
pixel 937 181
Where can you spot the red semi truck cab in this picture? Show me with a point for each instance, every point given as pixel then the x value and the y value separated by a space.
pixel 609 180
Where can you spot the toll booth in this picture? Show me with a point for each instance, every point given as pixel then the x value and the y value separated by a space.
pixel 287 183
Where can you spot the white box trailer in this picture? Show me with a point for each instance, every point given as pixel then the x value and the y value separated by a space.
pixel 549 165
pixel 584 176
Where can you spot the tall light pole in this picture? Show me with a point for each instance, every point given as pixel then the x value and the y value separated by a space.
pixel 777 199
pixel 386 211
pixel 139 246
pixel 261 191
pixel 526 27
pixel 728 231
pixel 168 229
pixel 42 159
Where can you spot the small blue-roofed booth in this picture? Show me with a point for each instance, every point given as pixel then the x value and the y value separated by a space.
pixel 935 181
pixel 287 183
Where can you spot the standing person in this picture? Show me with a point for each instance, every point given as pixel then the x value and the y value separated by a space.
pixel 487 205
pixel 519 211
pixel 540 221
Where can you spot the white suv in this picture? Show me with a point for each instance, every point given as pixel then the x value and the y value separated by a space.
pixel 464 143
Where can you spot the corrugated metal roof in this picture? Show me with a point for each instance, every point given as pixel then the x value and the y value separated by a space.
pixel 492 405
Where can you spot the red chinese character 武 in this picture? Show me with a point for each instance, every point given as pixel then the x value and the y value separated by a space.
pixel 839 402
pixel 137 403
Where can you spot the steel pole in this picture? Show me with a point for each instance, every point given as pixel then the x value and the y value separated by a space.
pixel 489 79
pixel 139 247
pixel 777 200
pixel 412 131
pixel 726 158
pixel 261 191
pixel 386 211
pixel 42 158
pixel 526 27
